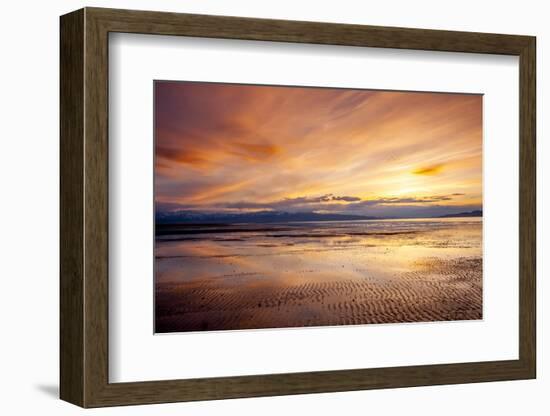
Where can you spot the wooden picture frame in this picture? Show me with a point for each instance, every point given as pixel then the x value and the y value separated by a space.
pixel 84 207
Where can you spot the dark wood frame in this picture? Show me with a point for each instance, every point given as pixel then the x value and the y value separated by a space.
pixel 84 208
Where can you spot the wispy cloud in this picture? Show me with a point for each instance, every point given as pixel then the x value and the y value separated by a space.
pixel 259 147
pixel 307 202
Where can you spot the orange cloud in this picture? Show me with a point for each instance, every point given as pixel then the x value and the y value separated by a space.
pixel 189 157
pixel 428 170
pixel 252 151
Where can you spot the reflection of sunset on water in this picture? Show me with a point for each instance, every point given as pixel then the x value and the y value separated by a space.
pixel 217 278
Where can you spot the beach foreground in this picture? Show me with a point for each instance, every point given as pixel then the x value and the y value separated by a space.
pixel 252 276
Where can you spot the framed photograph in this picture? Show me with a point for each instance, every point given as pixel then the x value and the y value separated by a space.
pixel 255 207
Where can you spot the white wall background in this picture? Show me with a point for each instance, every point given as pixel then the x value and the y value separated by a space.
pixel 29 85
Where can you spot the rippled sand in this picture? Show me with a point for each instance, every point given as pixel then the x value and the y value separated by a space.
pixel 317 274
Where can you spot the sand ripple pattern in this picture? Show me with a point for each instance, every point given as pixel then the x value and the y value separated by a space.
pixel 432 290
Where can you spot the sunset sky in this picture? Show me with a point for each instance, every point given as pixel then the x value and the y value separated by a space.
pixel 243 148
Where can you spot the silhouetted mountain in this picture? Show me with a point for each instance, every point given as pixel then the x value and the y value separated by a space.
pixel 251 217
pixel 476 213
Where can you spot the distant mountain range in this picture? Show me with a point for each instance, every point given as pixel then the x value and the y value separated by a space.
pixel 476 213
pixel 252 217
pixel 193 217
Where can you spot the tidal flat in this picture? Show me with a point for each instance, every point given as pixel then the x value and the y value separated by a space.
pixel 251 276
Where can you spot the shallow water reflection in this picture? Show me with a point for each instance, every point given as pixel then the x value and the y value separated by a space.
pixel 320 273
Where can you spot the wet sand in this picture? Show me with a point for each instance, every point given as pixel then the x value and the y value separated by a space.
pixel 318 274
